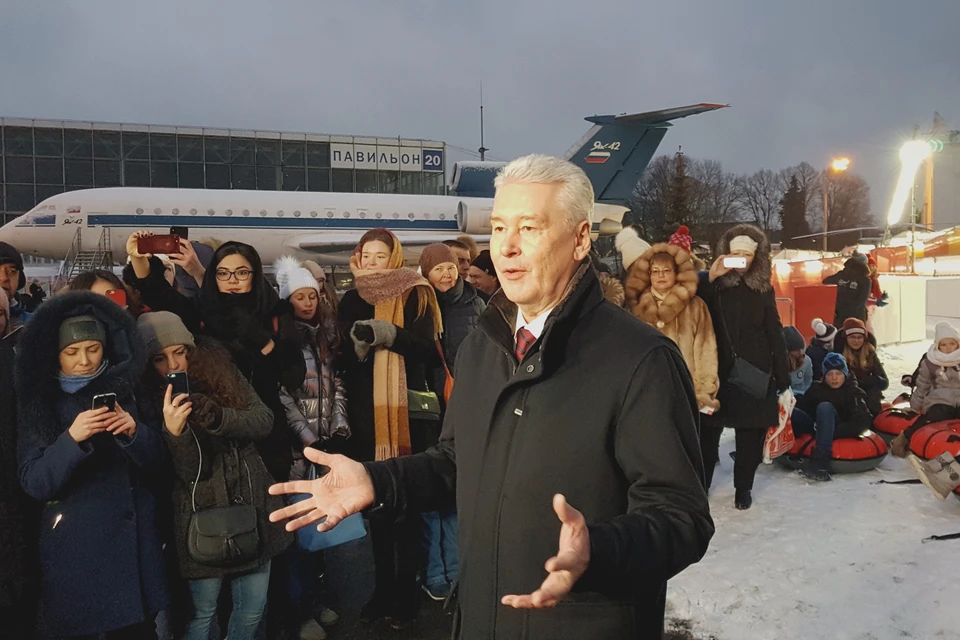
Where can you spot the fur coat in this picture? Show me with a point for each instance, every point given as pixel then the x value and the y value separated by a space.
pixel 681 316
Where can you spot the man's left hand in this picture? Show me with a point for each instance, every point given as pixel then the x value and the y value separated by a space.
pixel 566 567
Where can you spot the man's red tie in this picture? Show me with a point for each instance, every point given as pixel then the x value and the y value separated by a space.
pixel 525 340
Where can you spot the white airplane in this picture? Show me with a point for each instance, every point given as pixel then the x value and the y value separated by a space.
pixel 326 226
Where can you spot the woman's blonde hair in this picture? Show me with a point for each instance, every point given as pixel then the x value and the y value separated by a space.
pixel 862 359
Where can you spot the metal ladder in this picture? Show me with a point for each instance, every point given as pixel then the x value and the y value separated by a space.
pixel 79 260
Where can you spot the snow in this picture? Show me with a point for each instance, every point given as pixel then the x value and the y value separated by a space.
pixel 840 560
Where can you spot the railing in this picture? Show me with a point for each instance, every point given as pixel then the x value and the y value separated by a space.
pixel 63 273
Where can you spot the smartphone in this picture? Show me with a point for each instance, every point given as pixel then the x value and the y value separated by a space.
pixel 735 262
pixel 180 383
pixel 119 296
pixel 182 232
pixel 158 244
pixel 105 400
pixel 707 411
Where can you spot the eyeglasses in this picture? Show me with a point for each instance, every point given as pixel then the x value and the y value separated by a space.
pixel 242 275
pixel 660 272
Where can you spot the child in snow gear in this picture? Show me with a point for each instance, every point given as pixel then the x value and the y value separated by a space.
pixel 861 354
pixel 821 344
pixel 839 410
pixel 801 365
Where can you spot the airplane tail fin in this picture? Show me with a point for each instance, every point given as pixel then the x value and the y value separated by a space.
pixel 615 152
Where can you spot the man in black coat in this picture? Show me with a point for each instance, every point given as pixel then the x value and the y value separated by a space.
pixel 853 289
pixel 561 399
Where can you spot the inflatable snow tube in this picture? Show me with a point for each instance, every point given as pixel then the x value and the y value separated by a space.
pixel 850 455
pixel 891 422
pixel 933 439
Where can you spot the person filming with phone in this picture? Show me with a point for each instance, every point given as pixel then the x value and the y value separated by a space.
pixel 751 351
pixel 90 450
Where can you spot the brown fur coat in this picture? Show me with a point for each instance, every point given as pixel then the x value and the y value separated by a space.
pixel 681 316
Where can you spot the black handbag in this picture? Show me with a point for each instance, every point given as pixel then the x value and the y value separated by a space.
pixel 747 377
pixel 223 536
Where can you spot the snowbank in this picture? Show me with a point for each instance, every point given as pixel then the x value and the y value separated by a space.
pixel 839 560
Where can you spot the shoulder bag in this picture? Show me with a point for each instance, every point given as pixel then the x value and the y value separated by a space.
pixel 310 540
pixel 750 379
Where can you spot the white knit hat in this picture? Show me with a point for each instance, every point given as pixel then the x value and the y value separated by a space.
pixel 293 276
pixel 744 243
pixel 631 246
pixel 944 331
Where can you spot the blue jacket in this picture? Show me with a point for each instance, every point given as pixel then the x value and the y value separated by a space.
pixel 802 378
pixel 100 545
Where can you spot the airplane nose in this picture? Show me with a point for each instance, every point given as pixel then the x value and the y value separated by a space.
pixel 9 233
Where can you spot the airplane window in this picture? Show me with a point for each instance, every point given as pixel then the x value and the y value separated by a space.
pixel 263 212
pixel 346 214
pixel 296 214
pixel 313 214
pixel 426 216
pixel 175 212
pixel 157 211
pixel 280 213
pixel 139 212
pixel 379 215
pixel 396 215
pixel 229 212
pixel 193 212
pixel 363 215
pixel 443 216
pixel 410 215
pixel 211 212
pixel 329 214
pixel 246 212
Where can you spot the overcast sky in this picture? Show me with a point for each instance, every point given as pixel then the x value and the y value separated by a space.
pixel 805 79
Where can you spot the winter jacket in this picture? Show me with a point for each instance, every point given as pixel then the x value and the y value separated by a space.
pixel 873 379
pixel 244 333
pixel 853 289
pixel 817 352
pixel 935 385
pixel 19 316
pixel 99 533
pixel 849 400
pixel 224 463
pixel 19 567
pixel 679 315
pixel 414 341
pixel 460 308
pixel 317 410
pixel 802 378
pixel 516 434
pixel 745 318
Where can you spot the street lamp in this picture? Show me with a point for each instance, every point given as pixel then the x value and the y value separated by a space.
pixel 837 165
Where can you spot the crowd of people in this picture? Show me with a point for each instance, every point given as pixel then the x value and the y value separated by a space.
pixel 152 425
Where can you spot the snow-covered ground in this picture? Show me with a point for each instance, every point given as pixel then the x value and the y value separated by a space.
pixel 840 560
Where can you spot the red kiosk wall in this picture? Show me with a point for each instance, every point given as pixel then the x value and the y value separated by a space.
pixel 810 302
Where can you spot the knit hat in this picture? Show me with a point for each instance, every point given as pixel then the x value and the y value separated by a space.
pixel 835 362
pixel 793 338
pixel 871 260
pixel 823 332
pixel 484 262
pixel 853 326
pixel 9 255
pixel 743 243
pixel 434 254
pixel 682 239
pixel 944 331
pixel 292 276
pixel 80 328
pixel 630 246
pixel 162 329
pixel 859 257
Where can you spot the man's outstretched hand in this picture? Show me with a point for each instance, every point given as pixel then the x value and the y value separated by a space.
pixel 566 567
pixel 344 491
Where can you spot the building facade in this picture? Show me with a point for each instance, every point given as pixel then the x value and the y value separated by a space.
pixel 39 159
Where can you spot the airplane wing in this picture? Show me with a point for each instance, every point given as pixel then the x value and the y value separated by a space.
pixel 338 242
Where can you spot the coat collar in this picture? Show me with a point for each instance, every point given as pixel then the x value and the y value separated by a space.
pixel 758 277
pixel 640 298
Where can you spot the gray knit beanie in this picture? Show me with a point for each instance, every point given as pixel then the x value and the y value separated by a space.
pixel 80 328
pixel 162 329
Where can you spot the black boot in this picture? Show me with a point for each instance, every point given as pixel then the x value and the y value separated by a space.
pixel 819 467
pixel 742 500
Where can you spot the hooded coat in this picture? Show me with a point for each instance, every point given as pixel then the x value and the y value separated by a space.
pixel 935 385
pixel 100 544
pixel 745 319
pixel 244 324
pixel 680 315
pixel 853 289
pixel 517 433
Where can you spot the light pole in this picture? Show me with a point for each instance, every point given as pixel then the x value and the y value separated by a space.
pixel 837 165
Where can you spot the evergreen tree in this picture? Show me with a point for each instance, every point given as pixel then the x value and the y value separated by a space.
pixel 678 197
pixel 793 214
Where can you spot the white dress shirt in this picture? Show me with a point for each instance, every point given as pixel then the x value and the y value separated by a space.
pixel 535 326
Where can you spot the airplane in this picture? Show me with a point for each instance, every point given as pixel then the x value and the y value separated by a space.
pixel 325 227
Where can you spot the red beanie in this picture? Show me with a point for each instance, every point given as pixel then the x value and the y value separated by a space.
pixel 854 325
pixel 682 239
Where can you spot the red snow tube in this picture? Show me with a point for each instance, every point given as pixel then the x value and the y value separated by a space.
pixel 891 422
pixel 850 455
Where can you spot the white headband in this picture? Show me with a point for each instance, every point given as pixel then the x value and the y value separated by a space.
pixel 743 243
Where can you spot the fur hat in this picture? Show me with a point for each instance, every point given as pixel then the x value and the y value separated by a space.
pixel 944 331
pixel 9 255
pixel 434 254
pixel 162 329
pixel 631 246
pixel 793 338
pixel 744 243
pixel 79 328
pixel 293 276
pixel 823 332
pixel 853 326
pixel 484 262
pixel 682 238
pixel 612 289
pixel 835 362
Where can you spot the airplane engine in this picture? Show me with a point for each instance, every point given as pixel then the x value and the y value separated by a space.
pixel 474 218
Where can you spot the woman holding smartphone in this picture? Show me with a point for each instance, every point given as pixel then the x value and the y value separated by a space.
pixel 211 434
pixel 751 351
pixel 90 451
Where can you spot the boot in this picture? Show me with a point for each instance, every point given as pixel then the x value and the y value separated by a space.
pixel 819 467
pixel 941 474
pixel 742 499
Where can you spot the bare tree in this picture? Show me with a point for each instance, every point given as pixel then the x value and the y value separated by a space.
pixel 849 196
pixel 760 194
pixel 714 198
